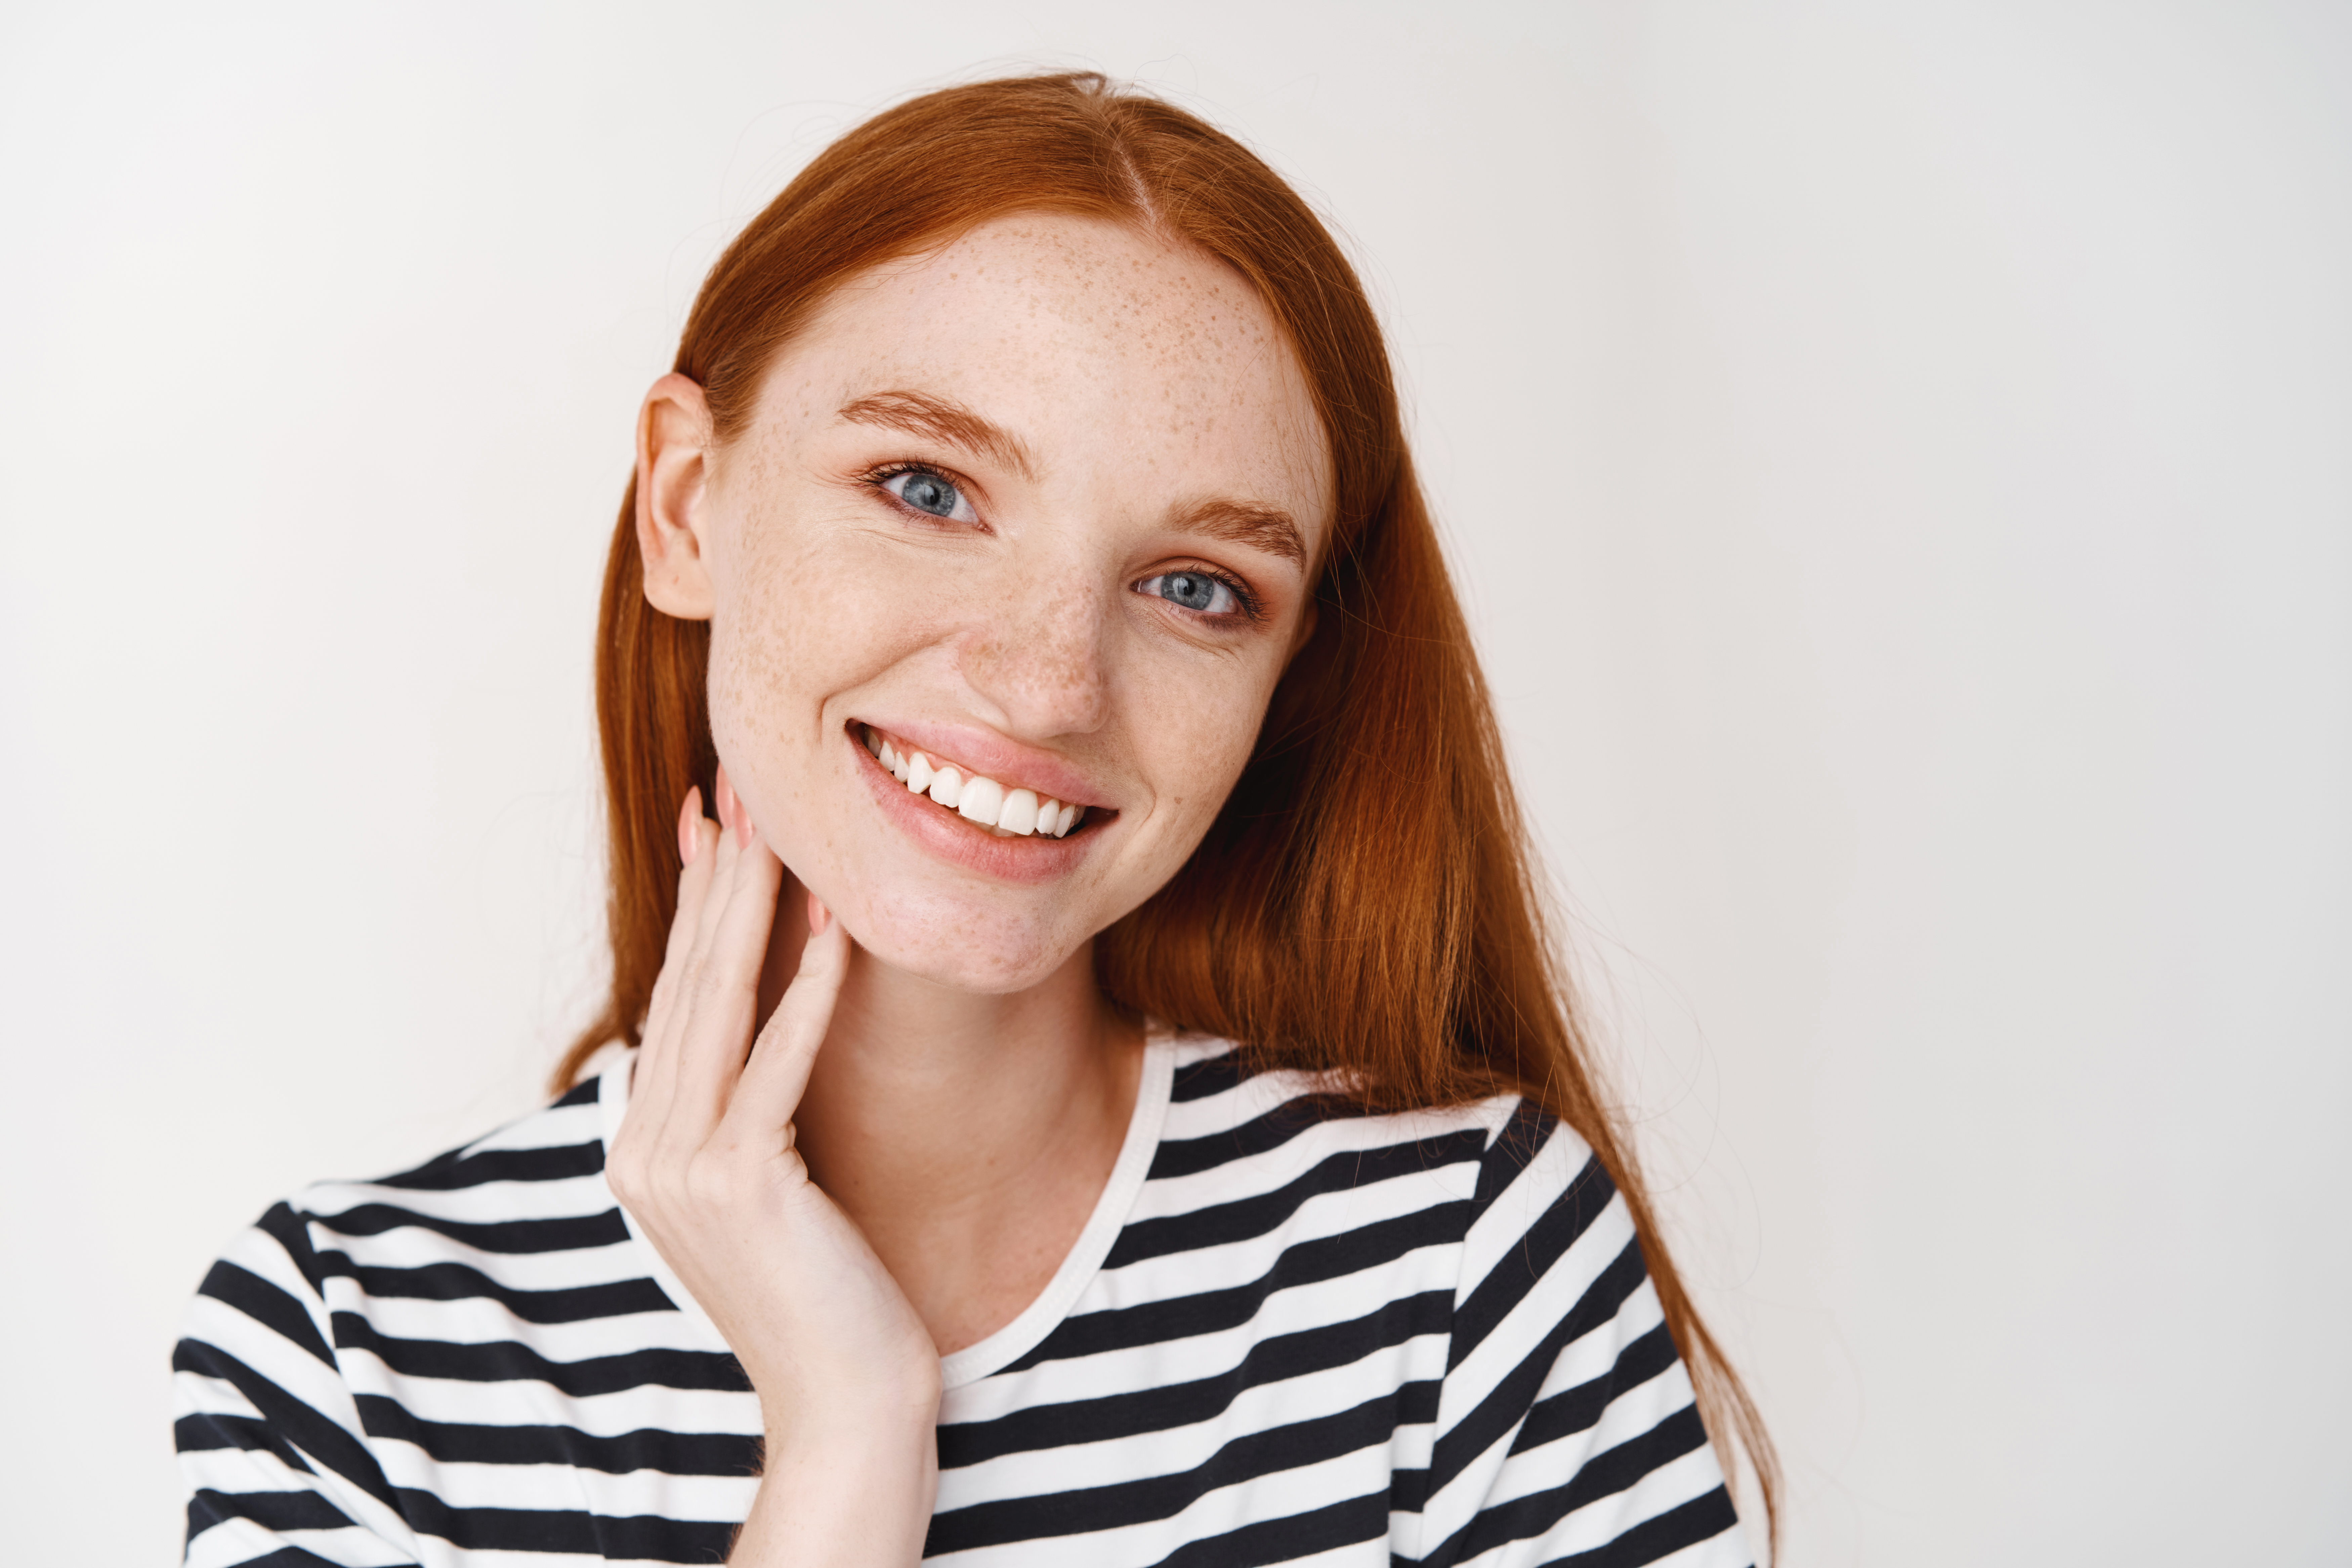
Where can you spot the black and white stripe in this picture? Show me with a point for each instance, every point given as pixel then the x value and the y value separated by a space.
pixel 1288 1334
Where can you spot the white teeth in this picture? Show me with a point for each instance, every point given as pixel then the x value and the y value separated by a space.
pixel 980 799
pixel 1008 813
pixel 1019 814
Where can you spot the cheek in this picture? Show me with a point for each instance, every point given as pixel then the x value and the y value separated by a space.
pixel 789 626
pixel 1194 745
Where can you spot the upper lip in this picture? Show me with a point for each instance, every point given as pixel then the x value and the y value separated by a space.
pixel 1009 762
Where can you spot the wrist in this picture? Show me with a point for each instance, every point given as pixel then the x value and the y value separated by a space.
pixel 873 1421
pixel 856 1496
pixel 874 1447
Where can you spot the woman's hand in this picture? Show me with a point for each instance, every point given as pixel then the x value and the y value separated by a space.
pixel 847 1376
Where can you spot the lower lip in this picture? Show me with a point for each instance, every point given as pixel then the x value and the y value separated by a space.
pixel 1033 859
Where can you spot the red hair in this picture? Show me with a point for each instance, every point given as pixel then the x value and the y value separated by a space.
pixel 1366 902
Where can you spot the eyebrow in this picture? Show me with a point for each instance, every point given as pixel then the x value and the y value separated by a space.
pixel 920 414
pixel 1266 528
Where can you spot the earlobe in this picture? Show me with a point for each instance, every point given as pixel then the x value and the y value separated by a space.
pixel 673 473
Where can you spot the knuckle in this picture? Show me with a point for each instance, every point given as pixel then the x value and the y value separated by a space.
pixel 713 1180
pixel 712 993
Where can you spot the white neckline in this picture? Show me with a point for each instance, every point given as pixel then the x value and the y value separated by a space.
pixel 1037 1320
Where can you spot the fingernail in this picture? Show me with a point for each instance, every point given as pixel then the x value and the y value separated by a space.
pixel 690 826
pixel 819 917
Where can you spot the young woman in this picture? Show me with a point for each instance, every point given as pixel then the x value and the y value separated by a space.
pixel 1101 1092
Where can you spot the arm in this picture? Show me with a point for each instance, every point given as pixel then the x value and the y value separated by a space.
pixel 270 1446
pixel 1567 1424
pixel 846 1374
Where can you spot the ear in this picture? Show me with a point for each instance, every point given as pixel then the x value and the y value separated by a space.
pixel 674 437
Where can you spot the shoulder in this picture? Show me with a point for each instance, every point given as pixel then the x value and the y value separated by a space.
pixel 1500 1153
pixel 534 1185
pixel 355 1358
pixel 470 1222
pixel 1243 1148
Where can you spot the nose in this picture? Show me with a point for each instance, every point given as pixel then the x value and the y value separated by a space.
pixel 1041 661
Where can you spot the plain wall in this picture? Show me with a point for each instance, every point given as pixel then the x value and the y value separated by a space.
pixel 1899 458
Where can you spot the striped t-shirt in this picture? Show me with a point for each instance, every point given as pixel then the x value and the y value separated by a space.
pixel 1288 1333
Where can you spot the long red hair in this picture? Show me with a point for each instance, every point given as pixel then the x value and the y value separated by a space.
pixel 1366 902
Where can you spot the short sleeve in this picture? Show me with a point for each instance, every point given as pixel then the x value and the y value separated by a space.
pixel 1566 1429
pixel 271 1453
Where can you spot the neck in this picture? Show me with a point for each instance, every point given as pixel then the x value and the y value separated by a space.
pixel 968 1136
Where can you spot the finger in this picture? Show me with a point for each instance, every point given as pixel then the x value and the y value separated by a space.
pixel 778 1073
pixel 698 838
pixel 687 984
pixel 637 1143
pixel 724 984
pixel 698 843
pixel 726 849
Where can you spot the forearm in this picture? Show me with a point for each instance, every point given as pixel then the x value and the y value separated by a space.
pixel 842 1500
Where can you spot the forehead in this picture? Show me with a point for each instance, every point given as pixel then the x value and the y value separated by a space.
pixel 1078 335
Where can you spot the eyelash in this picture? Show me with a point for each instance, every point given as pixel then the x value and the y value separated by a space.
pixel 1250 610
pixel 875 478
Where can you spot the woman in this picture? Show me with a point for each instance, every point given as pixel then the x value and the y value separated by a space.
pixel 1025 563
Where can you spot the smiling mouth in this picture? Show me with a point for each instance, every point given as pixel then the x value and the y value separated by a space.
pixel 1014 813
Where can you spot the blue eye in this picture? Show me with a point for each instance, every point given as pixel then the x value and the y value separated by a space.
pixel 1193 591
pixel 930 492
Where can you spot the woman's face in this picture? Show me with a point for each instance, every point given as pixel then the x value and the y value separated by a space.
pixel 1039 508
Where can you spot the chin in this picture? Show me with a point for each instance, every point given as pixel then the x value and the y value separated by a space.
pixel 976 951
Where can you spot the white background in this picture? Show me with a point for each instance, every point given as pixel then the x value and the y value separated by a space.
pixel 1899 458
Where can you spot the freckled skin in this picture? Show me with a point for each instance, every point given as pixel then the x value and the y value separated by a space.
pixel 1142 378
